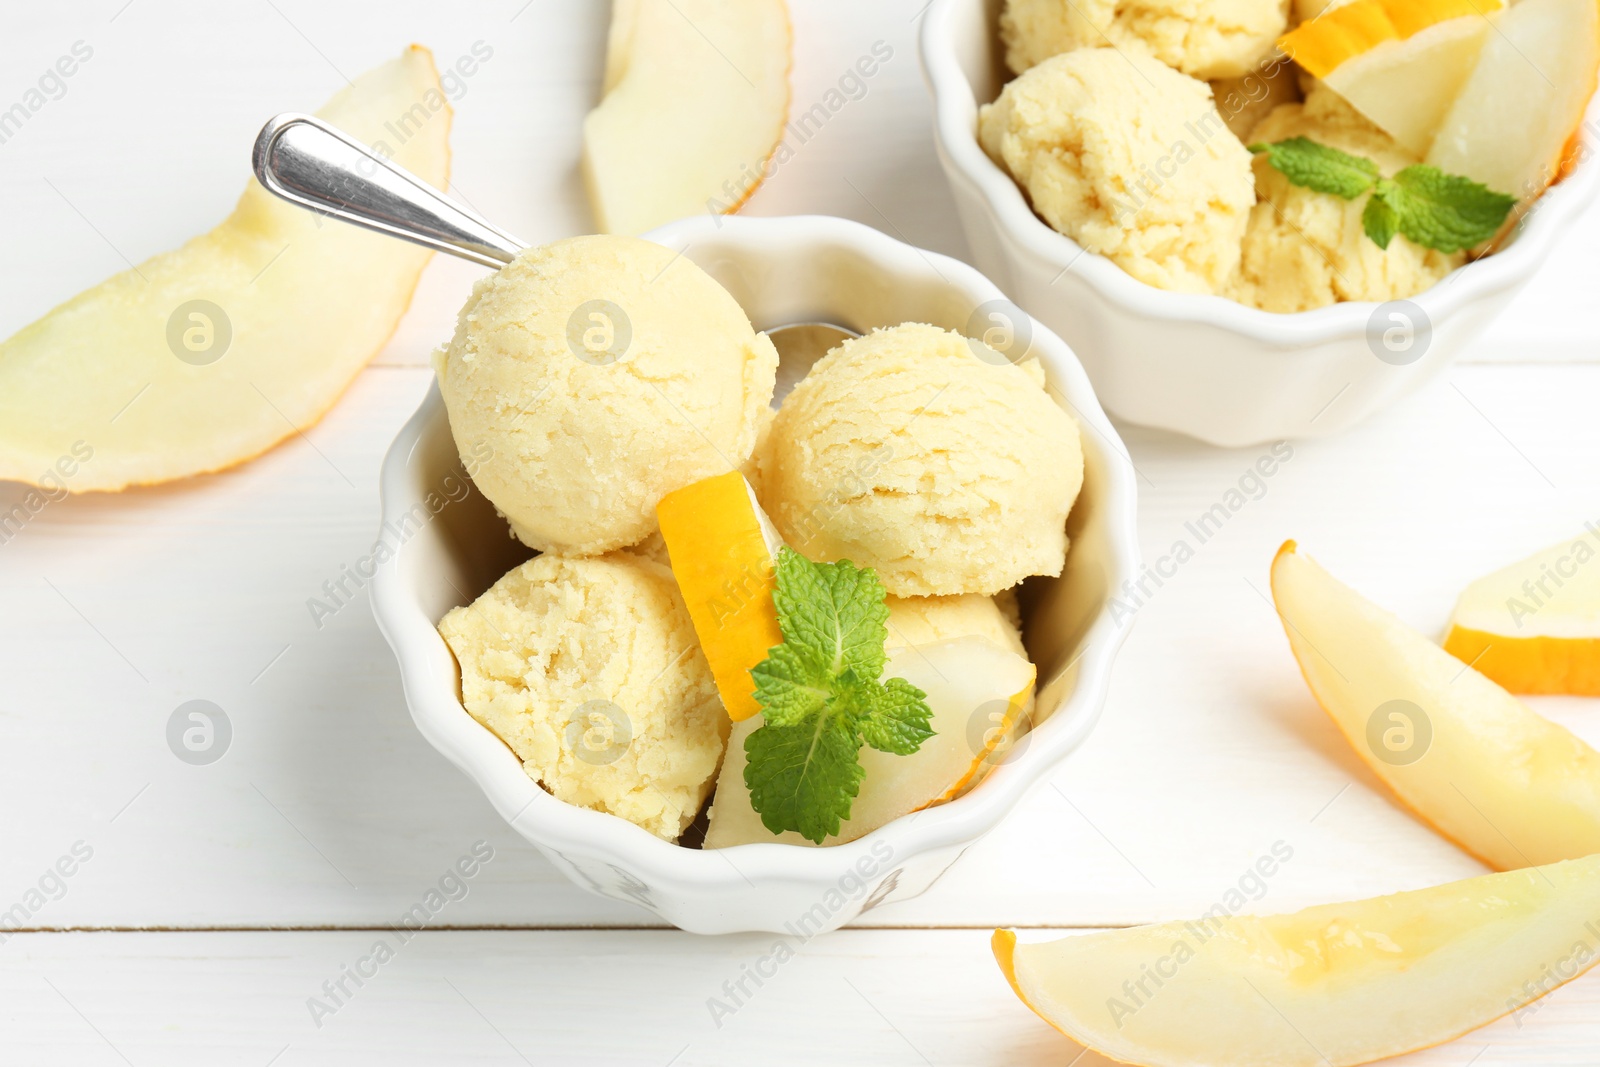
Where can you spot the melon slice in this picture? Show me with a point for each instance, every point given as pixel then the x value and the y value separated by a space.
pixel 1331 986
pixel 1407 86
pixel 696 96
pixel 723 550
pixel 1344 31
pixel 1507 785
pixel 978 693
pixel 1534 627
pixel 204 357
pixel 1514 119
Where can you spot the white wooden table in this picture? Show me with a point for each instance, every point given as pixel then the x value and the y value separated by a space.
pixel 219 899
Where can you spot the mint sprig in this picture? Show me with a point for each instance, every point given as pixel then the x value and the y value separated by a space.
pixel 1441 211
pixel 1445 212
pixel 1380 220
pixel 821 697
pixel 1316 166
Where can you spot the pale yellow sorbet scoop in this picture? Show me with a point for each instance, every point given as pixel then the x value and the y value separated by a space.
pixel 598 374
pixel 928 457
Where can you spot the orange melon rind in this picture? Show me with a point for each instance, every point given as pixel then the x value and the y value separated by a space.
pixel 1342 33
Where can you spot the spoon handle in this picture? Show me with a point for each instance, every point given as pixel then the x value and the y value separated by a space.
pixel 310 163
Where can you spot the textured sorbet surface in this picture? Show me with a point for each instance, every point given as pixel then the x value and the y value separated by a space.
pixel 589 670
pixel 922 620
pixel 600 373
pixel 1130 159
pixel 1304 249
pixel 927 456
pixel 1204 38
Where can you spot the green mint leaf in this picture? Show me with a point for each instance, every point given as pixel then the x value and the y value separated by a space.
pixel 1446 212
pixel 834 612
pixel 1379 217
pixel 789 688
pixel 1316 166
pixel 804 777
pixel 894 717
pixel 821 697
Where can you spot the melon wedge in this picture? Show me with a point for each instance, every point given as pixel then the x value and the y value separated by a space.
pixel 695 98
pixel 978 693
pixel 204 357
pixel 1534 627
pixel 1407 86
pixel 723 551
pixel 1344 31
pixel 1331 986
pixel 1507 785
pixel 1511 124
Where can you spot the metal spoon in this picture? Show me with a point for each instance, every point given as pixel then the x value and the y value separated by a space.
pixel 310 163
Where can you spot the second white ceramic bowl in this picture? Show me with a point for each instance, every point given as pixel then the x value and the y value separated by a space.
pixel 1203 365
pixel 448 546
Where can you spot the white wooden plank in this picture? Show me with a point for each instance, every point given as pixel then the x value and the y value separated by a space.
pixel 330 810
pixel 1210 750
pixel 328 807
pixel 855 997
pixel 99 177
pixel 515 137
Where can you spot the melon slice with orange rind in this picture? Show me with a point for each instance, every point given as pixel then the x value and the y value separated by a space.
pixel 723 551
pixel 1508 785
pixel 696 97
pixel 978 692
pixel 204 357
pixel 1345 31
pixel 1514 123
pixel 1407 87
pixel 1401 64
pixel 1534 627
pixel 1331 986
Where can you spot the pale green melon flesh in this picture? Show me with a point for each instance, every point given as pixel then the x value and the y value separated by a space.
pixel 308 302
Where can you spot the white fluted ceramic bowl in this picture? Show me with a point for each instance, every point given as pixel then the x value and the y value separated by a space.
pixel 781 271
pixel 1202 365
